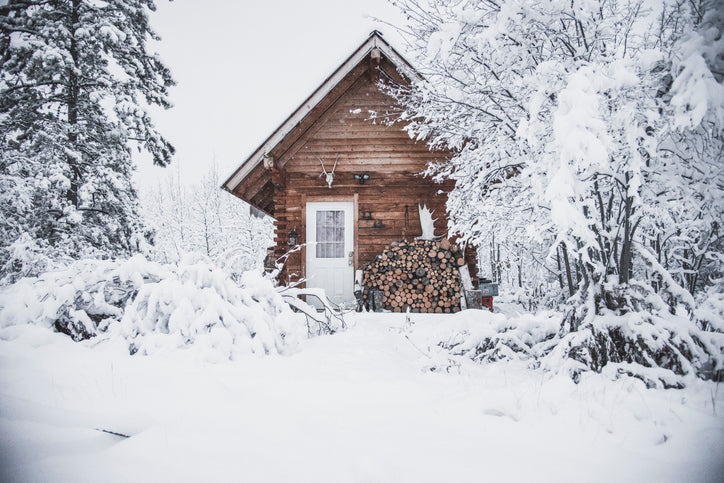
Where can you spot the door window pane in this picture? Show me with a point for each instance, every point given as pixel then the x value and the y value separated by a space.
pixel 330 234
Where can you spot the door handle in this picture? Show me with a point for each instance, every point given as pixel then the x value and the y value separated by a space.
pixel 350 259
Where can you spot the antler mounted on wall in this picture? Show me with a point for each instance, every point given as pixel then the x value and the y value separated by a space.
pixel 426 222
pixel 329 177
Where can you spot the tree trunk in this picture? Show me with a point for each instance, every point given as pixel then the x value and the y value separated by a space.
pixel 497 262
pixel 624 274
pixel 569 275
pixel 558 262
pixel 72 104
pixel 492 261
pixel 655 283
pixel 520 268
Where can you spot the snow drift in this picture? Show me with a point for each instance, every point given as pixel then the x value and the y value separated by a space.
pixel 157 308
pixel 196 308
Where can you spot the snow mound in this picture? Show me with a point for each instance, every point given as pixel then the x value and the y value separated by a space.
pixel 155 308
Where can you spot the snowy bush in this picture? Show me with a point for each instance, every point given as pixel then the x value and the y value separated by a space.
pixel 710 311
pixel 25 257
pixel 660 348
pixel 153 308
pixel 503 338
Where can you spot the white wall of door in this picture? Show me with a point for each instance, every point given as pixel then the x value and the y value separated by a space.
pixel 330 248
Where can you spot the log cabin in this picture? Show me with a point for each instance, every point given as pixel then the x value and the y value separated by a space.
pixel 339 180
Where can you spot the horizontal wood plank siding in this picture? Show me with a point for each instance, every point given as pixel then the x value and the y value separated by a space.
pixel 347 131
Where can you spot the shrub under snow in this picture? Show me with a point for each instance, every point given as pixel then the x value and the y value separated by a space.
pixel 157 308
pixel 710 311
pixel 501 338
pixel 660 348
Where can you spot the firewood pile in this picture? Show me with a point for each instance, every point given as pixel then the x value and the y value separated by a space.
pixel 422 276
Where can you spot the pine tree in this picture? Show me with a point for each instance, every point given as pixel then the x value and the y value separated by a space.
pixel 76 82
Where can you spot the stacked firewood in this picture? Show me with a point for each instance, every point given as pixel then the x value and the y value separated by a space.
pixel 421 275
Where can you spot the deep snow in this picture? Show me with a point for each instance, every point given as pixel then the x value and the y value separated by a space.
pixel 361 405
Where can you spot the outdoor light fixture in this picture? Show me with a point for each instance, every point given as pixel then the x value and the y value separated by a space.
pixel 362 177
pixel 293 237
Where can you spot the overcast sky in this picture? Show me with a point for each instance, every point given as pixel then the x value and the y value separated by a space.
pixel 242 67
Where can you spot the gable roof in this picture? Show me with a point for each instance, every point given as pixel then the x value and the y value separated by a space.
pixel 374 41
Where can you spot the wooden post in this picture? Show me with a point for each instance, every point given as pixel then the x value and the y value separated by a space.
pixel 356 230
pixel 303 236
pixel 375 57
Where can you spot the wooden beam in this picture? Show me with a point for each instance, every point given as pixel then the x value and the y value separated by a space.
pixel 303 229
pixel 375 56
pixel 320 197
pixel 251 185
pixel 356 230
pixel 259 185
pixel 268 207
pixel 264 194
pixel 279 177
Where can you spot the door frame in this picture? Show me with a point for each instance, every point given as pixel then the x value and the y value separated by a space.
pixel 355 220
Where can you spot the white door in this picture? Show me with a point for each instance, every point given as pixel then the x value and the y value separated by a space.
pixel 330 249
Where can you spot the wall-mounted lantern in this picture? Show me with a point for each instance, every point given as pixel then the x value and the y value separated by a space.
pixel 293 237
pixel 361 177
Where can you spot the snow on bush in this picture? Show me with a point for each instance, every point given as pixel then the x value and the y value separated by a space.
pixel 25 257
pixel 710 312
pixel 657 347
pixel 157 308
pixel 501 338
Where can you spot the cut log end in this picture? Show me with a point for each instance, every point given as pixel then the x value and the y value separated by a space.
pixel 418 276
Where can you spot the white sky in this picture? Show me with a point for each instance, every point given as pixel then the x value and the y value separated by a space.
pixel 242 67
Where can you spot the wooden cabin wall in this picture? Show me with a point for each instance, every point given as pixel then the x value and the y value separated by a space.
pixel 386 153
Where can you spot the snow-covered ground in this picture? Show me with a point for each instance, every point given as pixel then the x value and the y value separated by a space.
pixel 361 405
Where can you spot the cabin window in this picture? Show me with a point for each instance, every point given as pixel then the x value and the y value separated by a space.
pixel 330 234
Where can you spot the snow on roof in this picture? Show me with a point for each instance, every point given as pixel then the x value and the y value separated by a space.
pixel 374 40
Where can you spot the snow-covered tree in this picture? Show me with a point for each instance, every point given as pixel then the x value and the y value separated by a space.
pixel 591 127
pixel 76 81
pixel 202 219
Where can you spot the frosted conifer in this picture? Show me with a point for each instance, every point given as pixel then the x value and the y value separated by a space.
pixel 76 81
